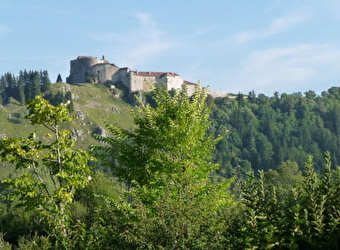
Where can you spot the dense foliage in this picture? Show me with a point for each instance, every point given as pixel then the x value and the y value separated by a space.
pixel 157 185
pixel 51 170
pixel 28 85
pixel 24 87
pixel 166 164
pixel 266 131
pixel 304 216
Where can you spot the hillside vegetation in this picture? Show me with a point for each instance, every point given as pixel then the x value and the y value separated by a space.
pixel 160 190
pixel 92 104
pixel 266 131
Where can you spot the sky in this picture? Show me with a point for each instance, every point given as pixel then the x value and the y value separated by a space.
pixel 232 46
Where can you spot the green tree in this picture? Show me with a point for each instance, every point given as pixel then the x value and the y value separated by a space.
pixel 285 177
pixel 168 141
pixel 52 170
pixel 21 91
pixel 285 210
pixel 45 81
pixel 167 162
pixel 2 90
pixel 59 79
pixel 36 86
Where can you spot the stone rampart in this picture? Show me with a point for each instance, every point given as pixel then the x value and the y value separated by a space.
pixel 101 70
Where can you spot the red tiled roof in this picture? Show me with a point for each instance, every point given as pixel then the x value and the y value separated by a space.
pixel 189 83
pixel 154 74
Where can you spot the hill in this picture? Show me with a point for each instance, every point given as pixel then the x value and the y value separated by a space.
pixel 266 132
pixel 93 104
pixel 262 132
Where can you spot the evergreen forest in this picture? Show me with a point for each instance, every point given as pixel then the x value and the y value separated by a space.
pixel 240 172
pixel 265 131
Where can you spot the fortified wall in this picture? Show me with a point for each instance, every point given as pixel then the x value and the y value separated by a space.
pixel 86 67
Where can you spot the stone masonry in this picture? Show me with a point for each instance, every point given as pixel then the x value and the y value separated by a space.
pixel 91 69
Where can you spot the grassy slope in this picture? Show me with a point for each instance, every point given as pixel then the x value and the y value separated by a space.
pixel 97 105
pixel 95 102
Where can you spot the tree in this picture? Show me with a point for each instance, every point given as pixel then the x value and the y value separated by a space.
pixel 285 177
pixel 10 84
pixel 59 79
pixel 169 140
pixel 2 90
pixel 52 170
pixel 36 87
pixel 296 212
pixel 45 81
pixel 166 161
pixel 21 91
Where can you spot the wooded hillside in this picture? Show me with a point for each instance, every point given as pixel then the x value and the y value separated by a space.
pixel 195 172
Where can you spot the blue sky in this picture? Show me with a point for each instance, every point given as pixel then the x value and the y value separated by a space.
pixel 232 46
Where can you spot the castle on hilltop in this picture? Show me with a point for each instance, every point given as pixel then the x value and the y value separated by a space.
pixel 92 69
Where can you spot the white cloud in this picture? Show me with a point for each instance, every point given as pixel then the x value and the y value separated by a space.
pixel 144 51
pixel 201 31
pixel 273 6
pixel 144 18
pixel 106 37
pixel 334 7
pixel 145 42
pixel 277 26
pixel 286 68
pixel 137 44
pixel 244 37
pixel 4 29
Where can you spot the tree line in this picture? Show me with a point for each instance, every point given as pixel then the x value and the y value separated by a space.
pixel 24 87
pixel 29 84
pixel 265 131
pixel 154 186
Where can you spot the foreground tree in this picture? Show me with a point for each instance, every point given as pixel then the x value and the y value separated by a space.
pixel 166 162
pixel 52 170
pixel 306 216
pixel 169 140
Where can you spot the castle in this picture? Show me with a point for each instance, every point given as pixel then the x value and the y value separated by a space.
pixel 92 69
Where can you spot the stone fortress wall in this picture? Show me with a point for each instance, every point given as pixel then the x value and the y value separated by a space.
pixel 85 67
pixel 81 68
pixel 103 71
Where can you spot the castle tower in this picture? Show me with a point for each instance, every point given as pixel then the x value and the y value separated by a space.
pixel 81 66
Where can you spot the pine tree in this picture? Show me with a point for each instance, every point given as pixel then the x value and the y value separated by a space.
pixel 45 81
pixel 59 79
pixel 28 85
pixel 35 84
pixel 21 91
pixel 2 91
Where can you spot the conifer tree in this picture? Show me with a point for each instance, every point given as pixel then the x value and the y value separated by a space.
pixel 45 81
pixel 35 84
pixel 21 91
pixel 59 79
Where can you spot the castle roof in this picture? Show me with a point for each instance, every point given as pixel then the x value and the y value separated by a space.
pixel 154 74
pixel 189 83
pixel 91 57
pixel 82 57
